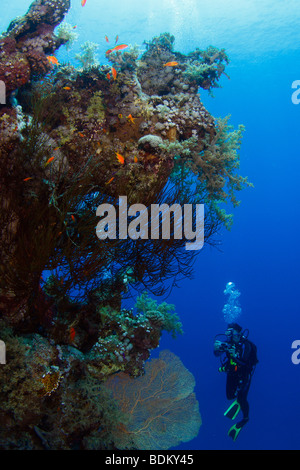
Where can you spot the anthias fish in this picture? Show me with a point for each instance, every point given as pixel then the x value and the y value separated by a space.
pixel 72 334
pixel 170 64
pixel 117 48
pixel 114 72
pixel 130 118
pixel 49 161
pixel 120 158
pixel 53 60
pixel 109 181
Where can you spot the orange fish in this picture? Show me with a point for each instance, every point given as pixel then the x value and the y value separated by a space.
pixel 80 134
pixel 27 179
pixel 108 76
pixel 170 64
pixel 56 148
pixel 114 72
pixel 49 161
pixel 131 118
pixel 117 39
pixel 117 48
pixel 66 88
pixel 73 218
pixel 111 179
pixel 120 158
pixel 120 47
pixel 83 2
pixel 135 159
pixel 53 60
pixel 74 27
pixel 72 334
pixel 106 39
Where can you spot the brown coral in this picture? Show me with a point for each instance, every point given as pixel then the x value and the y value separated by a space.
pixel 160 406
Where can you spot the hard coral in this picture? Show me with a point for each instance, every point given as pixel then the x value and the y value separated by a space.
pixel 14 71
pixel 125 342
pixel 27 41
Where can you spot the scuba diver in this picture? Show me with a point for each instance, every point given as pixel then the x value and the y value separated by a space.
pixel 238 359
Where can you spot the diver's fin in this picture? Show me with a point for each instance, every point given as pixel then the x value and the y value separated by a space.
pixel 233 410
pixel 234 431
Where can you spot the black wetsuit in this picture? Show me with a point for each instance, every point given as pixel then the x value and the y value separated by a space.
pixel 240 368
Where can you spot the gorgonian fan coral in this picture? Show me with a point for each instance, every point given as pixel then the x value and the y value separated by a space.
pixel 160 409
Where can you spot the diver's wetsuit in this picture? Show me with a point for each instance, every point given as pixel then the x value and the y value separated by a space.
pixel 239 373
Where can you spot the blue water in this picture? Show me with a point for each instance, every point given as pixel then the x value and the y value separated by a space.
pixel 260 253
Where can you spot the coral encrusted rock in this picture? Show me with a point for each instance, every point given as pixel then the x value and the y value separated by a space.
pixel 28 41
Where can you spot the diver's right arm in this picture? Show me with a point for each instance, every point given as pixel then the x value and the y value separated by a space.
pixel 220 347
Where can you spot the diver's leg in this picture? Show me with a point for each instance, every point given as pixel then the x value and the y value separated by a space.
pixel 242 392
pixel 231 393
pixel 231 387
pixel 242 397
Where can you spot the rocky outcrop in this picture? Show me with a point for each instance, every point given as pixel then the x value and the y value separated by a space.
pixel 28 41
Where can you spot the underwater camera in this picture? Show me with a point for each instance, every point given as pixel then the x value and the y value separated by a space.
pixel 220 344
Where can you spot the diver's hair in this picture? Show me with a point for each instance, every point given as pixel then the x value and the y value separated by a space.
pixel 235 327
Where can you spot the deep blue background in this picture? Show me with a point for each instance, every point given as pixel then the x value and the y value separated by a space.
pixel 261 256
pixel 261 253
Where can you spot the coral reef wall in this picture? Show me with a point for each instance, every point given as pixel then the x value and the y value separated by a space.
pixel 72 139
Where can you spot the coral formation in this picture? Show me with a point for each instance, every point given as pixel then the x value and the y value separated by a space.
pixel 66 33
pixel 160 408
pixel 206 67
pixel 28 41
pixel 88 58
pixel 72 139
